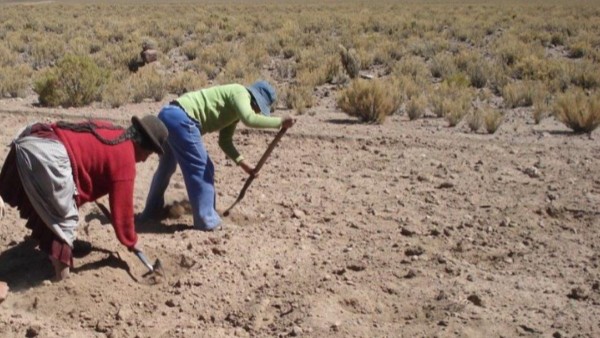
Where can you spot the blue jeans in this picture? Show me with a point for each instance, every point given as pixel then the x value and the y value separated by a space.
pixel 186 149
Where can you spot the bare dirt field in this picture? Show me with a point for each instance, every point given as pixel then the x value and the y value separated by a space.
pixel 405 229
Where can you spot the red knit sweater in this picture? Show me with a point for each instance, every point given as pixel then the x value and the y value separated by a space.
pixel 100 169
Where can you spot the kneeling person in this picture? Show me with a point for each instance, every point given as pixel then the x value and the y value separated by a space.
pixel 53 169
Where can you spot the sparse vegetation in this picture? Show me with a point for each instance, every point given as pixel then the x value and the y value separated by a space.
pixel 475 120
pixel 415 107
pixel 148 83
pixel 492 119
pixel 578 111
pixel 510 52
pixel 76 81
pixel 370 101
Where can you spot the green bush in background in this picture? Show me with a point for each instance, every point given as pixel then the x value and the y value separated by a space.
pixel 75 81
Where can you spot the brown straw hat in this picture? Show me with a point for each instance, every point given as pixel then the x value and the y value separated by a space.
pixel 153 130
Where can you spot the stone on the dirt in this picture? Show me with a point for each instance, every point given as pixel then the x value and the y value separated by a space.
pixel 578 293
pixel 476 300
pixel 33 331
pixel 414 251
pixel 408 232
pixel 296 331
pixel 297 213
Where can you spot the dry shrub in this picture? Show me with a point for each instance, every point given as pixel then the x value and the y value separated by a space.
pixel 578 111
pixel 411 66
pixel 190 50
pixel 369 101
pixel 509 50
pixel 239 70
pixel 218 55
pixel 455 114
pixel 186 81
pixel 198 66
pixel 148 83
pixel 533 67
pixel 492 119
pixel 521 94
pixel 478 73
pixel 299 98
pixel 255 50
pixel 578 49
pixel 541 106
pixel 117 91
pixel 442 66
pixel 415 107
pixel 475 120
pixel 315 70
pixel 498 79
pixel 14 81
pixel 7 58
pixel 452 102
pixel 584 74
pixel 74 82
pixel 46 51
pixel 334 73
pixel 286 69
pixel 408 87
pixel 477 69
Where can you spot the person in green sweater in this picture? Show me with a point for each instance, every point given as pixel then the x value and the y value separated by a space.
pixel 214 109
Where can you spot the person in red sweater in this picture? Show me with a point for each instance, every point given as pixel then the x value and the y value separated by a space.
pixel 53 169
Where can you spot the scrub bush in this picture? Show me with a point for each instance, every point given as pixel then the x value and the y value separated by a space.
pixel 415 108
pixel 493 118
pixel 148 83
pixel 475 120
pixel 14 81
pixel 369 101
pixel 298 97
pixel 74 82
pixel 578 111
pixel 186 81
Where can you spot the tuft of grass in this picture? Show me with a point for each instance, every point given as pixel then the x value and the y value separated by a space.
pixel 451 102
pixel 475 120
pixel 299 98
pixel 584 74
pixel 442 66
pixel 578 111
pixel 148 83
pixel 186 81
pixel 492 119
pixel 369 101
pixel 521 94
pixel 14 81
pixel 117 91
pixel 415 107
pixel 541 106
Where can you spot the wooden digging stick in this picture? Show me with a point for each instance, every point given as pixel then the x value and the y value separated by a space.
pixel 259 165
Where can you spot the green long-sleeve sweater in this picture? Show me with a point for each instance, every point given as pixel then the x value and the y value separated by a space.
pixel 220 108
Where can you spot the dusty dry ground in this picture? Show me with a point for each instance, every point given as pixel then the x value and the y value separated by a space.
pixel 406 229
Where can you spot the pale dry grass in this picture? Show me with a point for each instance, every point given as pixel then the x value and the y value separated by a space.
pixel 498 48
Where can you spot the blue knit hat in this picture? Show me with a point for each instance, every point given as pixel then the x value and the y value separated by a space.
pixel 264 95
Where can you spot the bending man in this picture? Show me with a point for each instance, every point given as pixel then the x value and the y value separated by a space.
pixel 215 109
